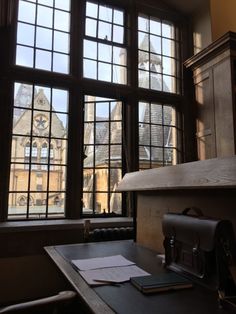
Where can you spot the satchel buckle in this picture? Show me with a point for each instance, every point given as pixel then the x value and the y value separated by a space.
pixel 195 250
pixel 172 241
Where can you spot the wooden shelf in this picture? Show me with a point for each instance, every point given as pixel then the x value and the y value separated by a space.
pixel 205 174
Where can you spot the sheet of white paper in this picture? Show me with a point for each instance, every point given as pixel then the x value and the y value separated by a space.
pixel 112 274
pixel 101 262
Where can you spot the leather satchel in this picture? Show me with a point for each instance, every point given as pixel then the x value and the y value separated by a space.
pixel 201 248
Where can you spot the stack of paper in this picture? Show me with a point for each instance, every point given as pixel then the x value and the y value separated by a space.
pixel 107 270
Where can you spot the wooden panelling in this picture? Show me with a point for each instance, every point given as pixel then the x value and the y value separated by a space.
pixel 214 77
pixel 153 205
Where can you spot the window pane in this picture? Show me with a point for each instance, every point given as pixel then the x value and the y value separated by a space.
pixel 41 121
pixel 105 13
pixel 144 113
pixel 22 30
pixel 118 34
pixel 19 178
pixel 102 178
pixel 102 156
pixel 104 52
pixel 59 100
pixel 167 30
pixel 156 82
pixel 43 60
pixel 170 83
pixel 169 116
pixel 43 38
pixel 44 16
pixel 168 136
pixel 156 114
pixel 155 44
pixel 24 56
pixel 115 203
pixel 101 205
pixel 143 24
pixel 60 63
pixel 90 69
pixel 104 72
pixel 157 135
pixel 89 156
pixel 168 47
pixel 144 134
pixel 116 132
pixel 143 41
pixel 90 49
pixel 26 12
pixel 119 74
pixel 91 9
pixel 89 111
pixel 59 125
pixel 62 21
pixel 62 4
pixel 156 157
pixel 169 66
pixel 57 179
pixel 102 136
pixel 155 26
pixel 88 134
pixel 115 178
pixel 119 56
pixel 102 111
pixel 118 17
pixel 25 116
pixel 46 2
pixel 104 30
pixel 56 207
pixel 116 154
pixel 91 27
pixel 61 42
pixel 143 79
pixel 17 205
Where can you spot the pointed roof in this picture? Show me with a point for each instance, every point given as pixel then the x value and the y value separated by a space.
pixel 102 135
pixel 143 56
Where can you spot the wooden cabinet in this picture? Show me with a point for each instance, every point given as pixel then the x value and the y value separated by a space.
pixel 214 73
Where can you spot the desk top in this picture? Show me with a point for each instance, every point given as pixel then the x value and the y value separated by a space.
pixel 126 299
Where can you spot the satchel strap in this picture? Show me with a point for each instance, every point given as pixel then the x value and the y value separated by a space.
pixel 195 209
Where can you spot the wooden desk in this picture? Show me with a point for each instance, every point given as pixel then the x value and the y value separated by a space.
pixel 126 299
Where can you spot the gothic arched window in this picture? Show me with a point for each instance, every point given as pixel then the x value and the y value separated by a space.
pixel 51 152
pixel 44 150
pixel 27 150
pixel 34 151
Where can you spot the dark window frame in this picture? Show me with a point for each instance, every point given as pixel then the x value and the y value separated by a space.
pixel 78 87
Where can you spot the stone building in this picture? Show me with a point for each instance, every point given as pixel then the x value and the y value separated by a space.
pixel 38 153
